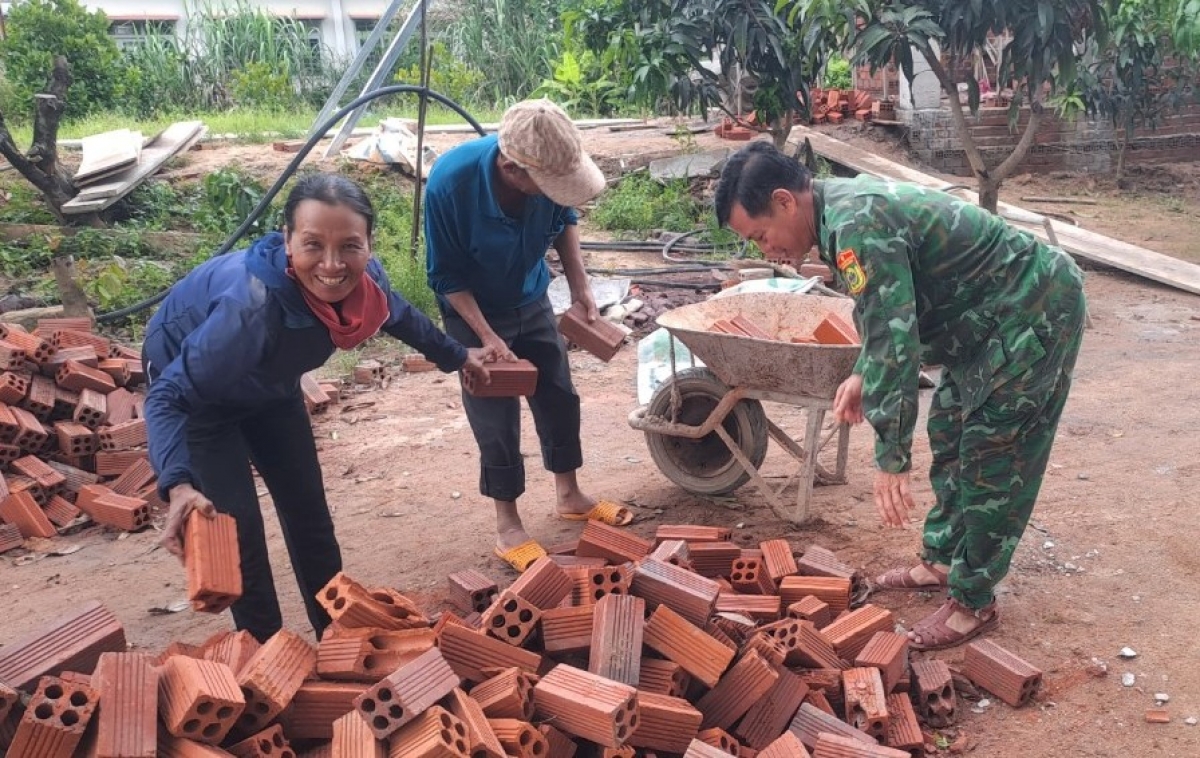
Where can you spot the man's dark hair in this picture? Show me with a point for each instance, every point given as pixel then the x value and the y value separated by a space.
pixel 752 174
pixel 330 189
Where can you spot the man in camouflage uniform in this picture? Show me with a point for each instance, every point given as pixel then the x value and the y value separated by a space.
pixel 941 282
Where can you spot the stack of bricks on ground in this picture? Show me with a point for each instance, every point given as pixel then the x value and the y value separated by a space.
pixel 613 645
pixel 73 432
pixel 832 330
pixel 834 106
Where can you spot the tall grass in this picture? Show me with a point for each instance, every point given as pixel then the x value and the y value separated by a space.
pixel 513 41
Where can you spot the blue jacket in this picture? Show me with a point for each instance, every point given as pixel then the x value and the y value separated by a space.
pixel 473 245
pixel 236 333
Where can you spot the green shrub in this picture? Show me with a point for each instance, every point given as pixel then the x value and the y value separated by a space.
pixel 838 74
pixel 261 85
pixel 228 198
pixel 641 204
pixel 38 30
pixel 157 79
pixel 448 76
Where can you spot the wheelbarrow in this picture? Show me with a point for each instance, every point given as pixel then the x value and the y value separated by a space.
pixel 705 426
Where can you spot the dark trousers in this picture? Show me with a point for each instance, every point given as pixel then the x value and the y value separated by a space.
pixel 277 438
pixel 531 332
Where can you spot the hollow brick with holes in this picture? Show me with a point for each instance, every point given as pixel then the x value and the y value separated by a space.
pixel 933 692
pixel 904 730
pixel 120 406
pixel 9 428
pixel 888 652
pixel 127 685
pixel 234 649
pixel 586 705
pixel 20 483
pixel 125 436
pixel 866 701
pixel 404 694
pixel 665 723
pixel 778 559
pixel 22 510
pixel 850 633
pixel 91 410
pixel 41 397
pixel 471 591
pixel 506 379
pixel 134 479
pixel 511 618
pixel 73 375
pixel 71 642
pixel 787 745
pixel 834 591
pixel 365 654
pixel 353 738
pixel 10 538
pixel 36 348
pixel 720 739
pixel 599 540
pixel 31 436
pixel 506 695
pixel 68 338
pixel 520 739
pixel 269 743
pixel 770 715
pixel 544 584
pixel 117 463
pixel 810 608
pixel 14 386
pixel 55 720
pixel 469 652
pixel 64 404
pixel 590 583
pixel 35 468
pixel 481 740
pixel 700 749
pixel 11 355
pixel 747 681
pixel 688 594
pixel 83 355
pixel 674 552
pixel 436 733
pixel 758 607
pixel 691 533
pixel 1000 672
pixel 110 509
pixel 353 605
pixel 9 453
pixel 713 559
pixel 271 677
pixel 115 368
pixel 810 721
pixel 212 561
pixel 676 639
pixel 616 648
pixel 76 439
pixel 601 338
pixel 749 576
pixel 198 700
pixel 567 631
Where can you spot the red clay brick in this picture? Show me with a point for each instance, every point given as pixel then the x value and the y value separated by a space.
pixel 836 746
pixel 506 379
pixel 787 745
pixel 21 510
pixel 665 723
pixel 544 584
pixel 198 700
pixel 11 355
pixel 434 734
pixel 810 721
pixel 55 719
pixel 36 348
pixel 9 453
pixel 41 397
pixel 481 740
pixel 933 692
pixel 315 398
pixel 904 731
pixel 472 591
pixel 108 508
pixel 9 428
pixel 835 591
pixel 120 406
pixel 353 738
pixel 810 608
pixel 720 739
pixel 32 435
pixel 91 410
pixel 507 695
pixel 127 684
pixel 617 632
pixel 567 631
pixel 592 583
pixel 850 633
pixel 778 559
pixel 271 678
pixel 691 533
pixel 586 705
pixel 76 439
pixel 234 649
pixel 740 687
pixel 116 464
pixel 367 655
pixel 125 436
pixel 770 715
pixel 819 561
pixel 866 701
pixel 67 337
pixel 134 479
pixel 469 652
pixel 676 639
pixel 520 739
pixel 353 605
pixel 73 375
pixel 615 545
pixel 213 562
pixel 316 705
pixel 688 594
pixel 663 677
pixel 117 369
pixel 47 478
pixel 511 618
pixel 13 388
pixel 713 559
pixel 699 749
pixel 1000 672
pixel 758 607
pixel 601 338
pixel 558 744
pixel 888 652
pixel 10 538
pixel 85 355
pixel 269 743
pixel 749 576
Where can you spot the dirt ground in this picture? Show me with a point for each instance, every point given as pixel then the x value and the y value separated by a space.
pixel 1109 560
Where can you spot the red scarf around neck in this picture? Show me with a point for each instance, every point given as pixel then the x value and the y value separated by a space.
pixel 361 315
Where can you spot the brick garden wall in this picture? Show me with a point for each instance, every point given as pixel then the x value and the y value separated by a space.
pixel 1083 145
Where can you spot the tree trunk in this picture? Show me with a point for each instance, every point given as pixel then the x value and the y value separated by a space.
pixel 74 301
pixel 40 166
pixel 989 192
pixel 781 128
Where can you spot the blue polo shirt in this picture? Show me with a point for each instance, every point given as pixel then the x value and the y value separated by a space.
pixel 472 245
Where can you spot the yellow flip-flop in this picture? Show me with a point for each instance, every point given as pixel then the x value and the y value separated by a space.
pixel 522 556
pixel 604 511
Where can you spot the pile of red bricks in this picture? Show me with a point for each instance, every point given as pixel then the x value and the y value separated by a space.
pixel 834 106
pixel 611 646
pixel 832 330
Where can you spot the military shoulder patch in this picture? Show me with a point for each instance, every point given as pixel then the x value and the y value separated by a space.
pixel 852 271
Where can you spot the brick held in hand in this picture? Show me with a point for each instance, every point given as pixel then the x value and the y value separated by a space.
pixel 507 379
pixel 601 338
pixel 212 561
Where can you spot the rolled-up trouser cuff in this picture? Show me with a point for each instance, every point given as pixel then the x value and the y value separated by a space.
pixel 563 458
pixel 502 482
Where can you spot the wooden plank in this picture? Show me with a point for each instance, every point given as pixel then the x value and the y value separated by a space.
pixel 177 138
pixel 107 153
pixel 1075 240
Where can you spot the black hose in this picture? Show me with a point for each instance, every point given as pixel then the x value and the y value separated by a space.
pixel 265 202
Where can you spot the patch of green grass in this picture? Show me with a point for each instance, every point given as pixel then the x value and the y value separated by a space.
pixel 641 204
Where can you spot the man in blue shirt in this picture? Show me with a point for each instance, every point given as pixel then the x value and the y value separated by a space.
pixel 494 205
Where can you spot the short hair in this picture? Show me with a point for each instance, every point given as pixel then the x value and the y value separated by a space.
pixel 330 189
pixel 752 174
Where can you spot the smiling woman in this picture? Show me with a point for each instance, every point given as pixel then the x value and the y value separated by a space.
pixel 225 354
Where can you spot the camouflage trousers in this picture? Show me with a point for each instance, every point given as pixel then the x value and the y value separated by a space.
pixel 988 467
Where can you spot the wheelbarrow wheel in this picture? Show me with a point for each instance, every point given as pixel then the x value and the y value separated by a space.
pixel 706 466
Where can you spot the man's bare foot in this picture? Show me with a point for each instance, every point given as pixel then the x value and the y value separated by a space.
pixel 510 532
pixel 510 538
pixel 570 499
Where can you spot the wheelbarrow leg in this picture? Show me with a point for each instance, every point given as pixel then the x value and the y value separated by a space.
pixel 812 441
pixel 755 476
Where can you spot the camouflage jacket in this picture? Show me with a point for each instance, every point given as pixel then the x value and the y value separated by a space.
pixel 937 281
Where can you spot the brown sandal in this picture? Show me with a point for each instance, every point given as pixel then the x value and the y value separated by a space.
pixel 900 580
pixel 936 635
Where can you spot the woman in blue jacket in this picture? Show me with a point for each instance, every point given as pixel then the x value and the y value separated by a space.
pixel 225 354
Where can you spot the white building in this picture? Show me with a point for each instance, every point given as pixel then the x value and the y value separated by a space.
pixel 338 25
